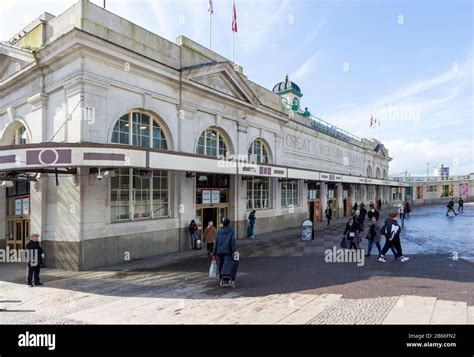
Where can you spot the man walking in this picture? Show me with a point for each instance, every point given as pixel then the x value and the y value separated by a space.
pixel 362 214
pixel 401 212
pixel 328 213
pixel 450 206
pixel 460 205
pixel 34 258
pixel 392 230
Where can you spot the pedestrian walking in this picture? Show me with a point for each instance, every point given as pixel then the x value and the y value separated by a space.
pixel 251 225
pixel 373 236
pixel 352 231
pixel 373 213
pixel 225 245
pixel 460 205
pixel 354 208
pixel 34 258
pixel 193 228
pixel 407 209
pixel 401 212
pixel 450 206
pixel 209 237
pixel 379 204
pixel 363 213
pixel 391 230
pixel 328 213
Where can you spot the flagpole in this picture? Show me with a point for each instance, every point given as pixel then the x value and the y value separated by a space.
pixel 233 42
pixel 210 30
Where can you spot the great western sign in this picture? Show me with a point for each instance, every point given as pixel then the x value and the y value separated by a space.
pixel 298 142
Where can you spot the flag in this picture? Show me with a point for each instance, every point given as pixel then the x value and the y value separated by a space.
pixel 211 7
pixel 371 121
pixel 234 18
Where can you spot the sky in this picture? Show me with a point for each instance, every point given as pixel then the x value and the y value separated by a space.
pixel 409 63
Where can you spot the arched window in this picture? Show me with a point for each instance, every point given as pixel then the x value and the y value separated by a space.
pixel 384 173
pixel 377 173
pixel 139 129
pixel 369 171
pixel 15 134
pixel 258 152
pixel 211 142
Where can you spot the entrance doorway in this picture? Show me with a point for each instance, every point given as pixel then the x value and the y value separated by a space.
pixel 18 231
pixel 204 214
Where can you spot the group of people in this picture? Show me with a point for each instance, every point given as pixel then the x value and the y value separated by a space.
pixel 352 238
pixel 450 206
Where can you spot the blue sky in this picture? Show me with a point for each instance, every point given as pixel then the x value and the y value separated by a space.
pixel 408 62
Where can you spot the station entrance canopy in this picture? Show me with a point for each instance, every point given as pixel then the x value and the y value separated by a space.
pixel 49 157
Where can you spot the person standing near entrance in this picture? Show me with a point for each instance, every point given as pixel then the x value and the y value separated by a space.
pixel 392 230
pixel 209 237
pixel 328 214
pixel 460 204
pixel 450 206
pixel 225 245
pixel 193 233
pixel 251 224
pixel 35 255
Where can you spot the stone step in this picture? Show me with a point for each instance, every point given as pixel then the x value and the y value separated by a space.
pixel 470 315
pixel 411 310
pixel 449 312
pixel 307 312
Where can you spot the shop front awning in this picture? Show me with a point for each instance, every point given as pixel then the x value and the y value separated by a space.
pixel 51 156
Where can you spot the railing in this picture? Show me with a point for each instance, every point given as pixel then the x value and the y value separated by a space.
pixel 430 178
pixel 324 127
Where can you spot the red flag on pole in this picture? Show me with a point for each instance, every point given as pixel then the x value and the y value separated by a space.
pixel 234 18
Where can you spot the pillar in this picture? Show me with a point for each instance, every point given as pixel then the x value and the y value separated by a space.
pixel 324 197
pixel 340 205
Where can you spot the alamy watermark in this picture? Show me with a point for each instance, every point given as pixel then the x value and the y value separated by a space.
pixel 338 255
pixel 11 255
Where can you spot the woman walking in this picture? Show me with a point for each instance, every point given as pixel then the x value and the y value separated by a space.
pixel 209 237
pixel 352 232
pixel 392 230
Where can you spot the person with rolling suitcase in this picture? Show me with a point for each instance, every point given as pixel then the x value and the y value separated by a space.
pixel 224 249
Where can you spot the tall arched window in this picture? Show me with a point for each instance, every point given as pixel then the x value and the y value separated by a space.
pixel 211 142
pixel 377 173
pixel 139 129
pixel 369 171
pixel 137 194
pixel 258 152
pixel 384 173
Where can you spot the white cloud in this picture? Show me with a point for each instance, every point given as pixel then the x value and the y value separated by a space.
pixel 413 156
pixel 306 67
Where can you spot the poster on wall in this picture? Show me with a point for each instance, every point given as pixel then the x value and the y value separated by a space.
pixel 206 196
pixel 26 205
pixel 216 196
pixel 18 207
pixel 451 190
pixel 463 191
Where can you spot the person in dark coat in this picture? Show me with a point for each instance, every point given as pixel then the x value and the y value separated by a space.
pixel 373 235
pixel 373 213
pixel 363 213
pixel 34 258
pixel 225 245
pixel 379 204
pixel 354 208
pixel 193 228
pixel 328 213
pixel 251 225
pixel 352 231
pixel 460 204
pixel 407 209
pixel 391 230
pixel 450 206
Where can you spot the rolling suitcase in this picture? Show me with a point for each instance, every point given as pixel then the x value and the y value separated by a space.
pixel 228 273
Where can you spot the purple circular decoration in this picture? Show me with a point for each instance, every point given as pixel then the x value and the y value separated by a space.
pixel 48 156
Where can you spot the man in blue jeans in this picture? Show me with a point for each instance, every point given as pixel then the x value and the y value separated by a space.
pixel 250 227
pixel 225 245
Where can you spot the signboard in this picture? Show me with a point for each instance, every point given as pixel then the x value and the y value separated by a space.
pixel 463 191
pixel 215 196
pixel 307 230
pixel 18 210
pixel 26 205
pixel 206 196
pixel 444 171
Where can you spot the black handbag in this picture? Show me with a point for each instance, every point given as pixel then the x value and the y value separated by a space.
pixel 344 243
